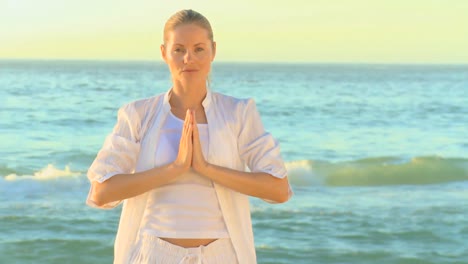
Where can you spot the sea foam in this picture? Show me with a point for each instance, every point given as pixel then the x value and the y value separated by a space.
pixel 48 173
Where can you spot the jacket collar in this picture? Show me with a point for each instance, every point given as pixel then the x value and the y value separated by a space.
pixel 167 106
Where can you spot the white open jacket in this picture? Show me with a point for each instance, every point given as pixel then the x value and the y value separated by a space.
pixel 236 139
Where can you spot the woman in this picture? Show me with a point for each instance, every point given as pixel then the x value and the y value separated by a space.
pixel 177 161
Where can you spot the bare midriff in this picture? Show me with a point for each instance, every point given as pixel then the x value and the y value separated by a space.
pixel 189 242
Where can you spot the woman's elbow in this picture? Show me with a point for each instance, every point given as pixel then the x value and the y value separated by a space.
pixel 98 194
pixel 283 193
pixel 284 196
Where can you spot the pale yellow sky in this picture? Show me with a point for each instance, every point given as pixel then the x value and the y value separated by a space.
pixel 350 31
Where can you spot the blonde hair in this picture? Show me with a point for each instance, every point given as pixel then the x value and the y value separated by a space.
pixel 184 17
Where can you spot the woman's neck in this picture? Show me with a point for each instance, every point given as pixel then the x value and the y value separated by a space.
pixel 184 98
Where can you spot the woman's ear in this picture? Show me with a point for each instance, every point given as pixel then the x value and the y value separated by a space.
pixel 163 52
pixel 214 51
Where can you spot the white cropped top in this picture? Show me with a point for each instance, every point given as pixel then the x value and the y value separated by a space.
pixel 188 207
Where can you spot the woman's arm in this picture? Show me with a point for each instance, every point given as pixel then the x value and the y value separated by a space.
pixel 258 184
pixel 123 186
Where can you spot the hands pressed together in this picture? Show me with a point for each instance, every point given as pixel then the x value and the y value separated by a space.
pixel 190 150
pixel 190 156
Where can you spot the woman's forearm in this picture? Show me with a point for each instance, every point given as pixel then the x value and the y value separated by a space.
pixel 258 184
pixel 123 186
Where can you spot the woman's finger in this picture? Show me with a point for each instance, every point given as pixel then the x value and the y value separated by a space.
pixel 184 156
pixel 194 123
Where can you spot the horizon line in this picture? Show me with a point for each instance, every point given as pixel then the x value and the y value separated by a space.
pixel 97 60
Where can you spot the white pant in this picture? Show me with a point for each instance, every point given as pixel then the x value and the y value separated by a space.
pixel 153 250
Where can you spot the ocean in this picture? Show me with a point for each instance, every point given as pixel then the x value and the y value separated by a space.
pixel 377 156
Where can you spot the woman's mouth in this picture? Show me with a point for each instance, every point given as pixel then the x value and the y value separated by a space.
pixel 189 70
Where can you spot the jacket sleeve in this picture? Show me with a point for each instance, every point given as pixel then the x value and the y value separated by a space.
pixel 118 154
pixel 257 148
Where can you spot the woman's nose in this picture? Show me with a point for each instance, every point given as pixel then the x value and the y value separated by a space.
pixel 188 57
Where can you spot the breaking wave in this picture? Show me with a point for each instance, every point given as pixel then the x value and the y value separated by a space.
pixel 379 171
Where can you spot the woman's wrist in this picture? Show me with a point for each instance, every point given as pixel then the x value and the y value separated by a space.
pixel 176 170
pixel 203 169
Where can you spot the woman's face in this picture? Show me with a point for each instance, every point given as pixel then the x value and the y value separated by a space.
pixel 188 53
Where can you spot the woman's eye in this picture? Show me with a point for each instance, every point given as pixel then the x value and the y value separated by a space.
pixel 178 50
pixel 199 49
